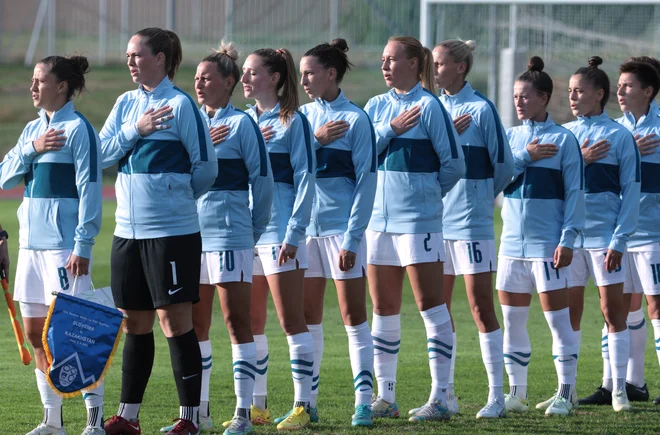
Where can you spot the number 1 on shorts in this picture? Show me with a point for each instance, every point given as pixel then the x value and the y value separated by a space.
pixel 174 279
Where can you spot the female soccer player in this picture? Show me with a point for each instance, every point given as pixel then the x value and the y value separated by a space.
pixel 638 86
pixel 612 185
pixel 230 229
pixel 58 156
pixel 345 188
pixel 543 212
pixel 269 77
pixel 419 162
pixel 468 209
pixel 166 161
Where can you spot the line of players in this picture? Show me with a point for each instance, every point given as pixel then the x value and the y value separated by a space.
pixel 304 186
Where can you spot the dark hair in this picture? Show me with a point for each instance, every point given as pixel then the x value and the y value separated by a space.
pixel 70 69
pixel 167 42
pixel 646 59
pixel 645 73
pixel 535 76
pixel 225 58
pixel 597 77
pixel 332 55
pixel 280 61
pixel 414 49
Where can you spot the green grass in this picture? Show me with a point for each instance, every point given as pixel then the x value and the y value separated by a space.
pixel 22 409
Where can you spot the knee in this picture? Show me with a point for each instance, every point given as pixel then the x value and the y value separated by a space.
pixel 174 327
pixel 34 338
pixel 354 318
pixel 236 322
pixel 292 326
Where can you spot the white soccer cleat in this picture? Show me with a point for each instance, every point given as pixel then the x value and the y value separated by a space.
pixel 513 403
pixel 452 404
pixel 620 402
pixel 546 403
pixel 44 429
pixel 493 409
pixel 559 406
pixel 93 430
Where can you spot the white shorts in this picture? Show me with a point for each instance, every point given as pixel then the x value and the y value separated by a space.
pixel 388 249
pixel 39 273
pixel 31 309
pixel 470 257
pixel 265 260
pixel 517 275
pixel 227 266
pixel 590 263
pixel 644 270
pixel 323 258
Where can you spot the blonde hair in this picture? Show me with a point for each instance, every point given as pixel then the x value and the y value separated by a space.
pixel 414 49
pixel 460 51
pixel 224 58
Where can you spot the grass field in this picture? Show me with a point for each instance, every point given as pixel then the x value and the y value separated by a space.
pixel 22 409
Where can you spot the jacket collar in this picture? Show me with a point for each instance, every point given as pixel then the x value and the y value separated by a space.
pixel 591 120
pixel 408 96
pixel 275 111
pixel 542 125
pixel 463 95
pixel 59 115
pixel 332 105
pixel 160 90
pixel 219 114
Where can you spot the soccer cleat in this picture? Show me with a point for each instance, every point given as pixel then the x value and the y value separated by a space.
pixel 432 411
pixel 313 416
pixel 637 394
pixel 513 403
pixel 493 409
pixel 620 401
pixel 205 425
pixel 184 427
pixel 239 426
pixel 383 409
pixel 117 425
pixel 363 416
pixel 298 418
pixel 93 430
pixel 259 416
pixel 600 397
pixel 452 404
pixel 44 429
pixel 656 401
pixel 546 403
pixel 559 406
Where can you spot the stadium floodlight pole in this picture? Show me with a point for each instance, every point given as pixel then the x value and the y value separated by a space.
pixel 26 358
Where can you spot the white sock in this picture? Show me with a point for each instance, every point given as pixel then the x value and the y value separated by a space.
pixel 578 338
pixel 656 335
pixel 605 354
pixel 517 348
pixel 190 413
pixel 94 403
pixel 450 384
pixel 261 379
pixel 386 332
pixel 638 334
pixel 491 344
pixel 440 348
pixel 51 401
pixel 244 361
pixel 361 351
pixel 207 368
pixel 301 352
pixel 619 344
pixel 129 411
pixel 564 349
pixel 317 334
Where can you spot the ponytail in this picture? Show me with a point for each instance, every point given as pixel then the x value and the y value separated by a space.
pixel 332 55
pixel 166 42
pixel 427 71
pixel 224 58
pixel 280 61
pixel 414 49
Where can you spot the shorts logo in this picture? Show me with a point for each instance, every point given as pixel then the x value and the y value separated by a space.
pixel 171 292
pixel 68 374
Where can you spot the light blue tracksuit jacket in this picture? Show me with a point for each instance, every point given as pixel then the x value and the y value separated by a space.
pixel 415 169
pixel 225 218
pixel 62 200
pixel 292 161
pixel 544 205
pixel 345 172
pixel 160 175
pixel 611 185
pixel 468 207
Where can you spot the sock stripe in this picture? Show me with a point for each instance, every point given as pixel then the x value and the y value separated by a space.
pixel 604 338
pixel 522 354
pixel 302 372
pixel 363 383
pixel 245 372
pixel 516 360
pixel 207 367
pixel 385 342
pixel 316 378
pixel 440 351
pixel 440 343
pixel 315 387
pixel 205 360
pixel 244 363
pixel 638 326
pixel 390 351
pixel 302 362
pixel 657 341
pixel 263 361
pixel 363 373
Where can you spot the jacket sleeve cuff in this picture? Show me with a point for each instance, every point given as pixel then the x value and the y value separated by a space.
pixel 83 250
pixel 28 152
pixel 350 243
pixel 130 133
pixel 618 244
pixel 292 238
pixel 386 131
pixel 568 239
pixel 523 155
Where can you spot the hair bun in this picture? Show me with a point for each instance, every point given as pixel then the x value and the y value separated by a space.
pixel 339 43
pixel 594 61
pixel 227 48
pixel 80 63
pixel 535 64
pixel 472 45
